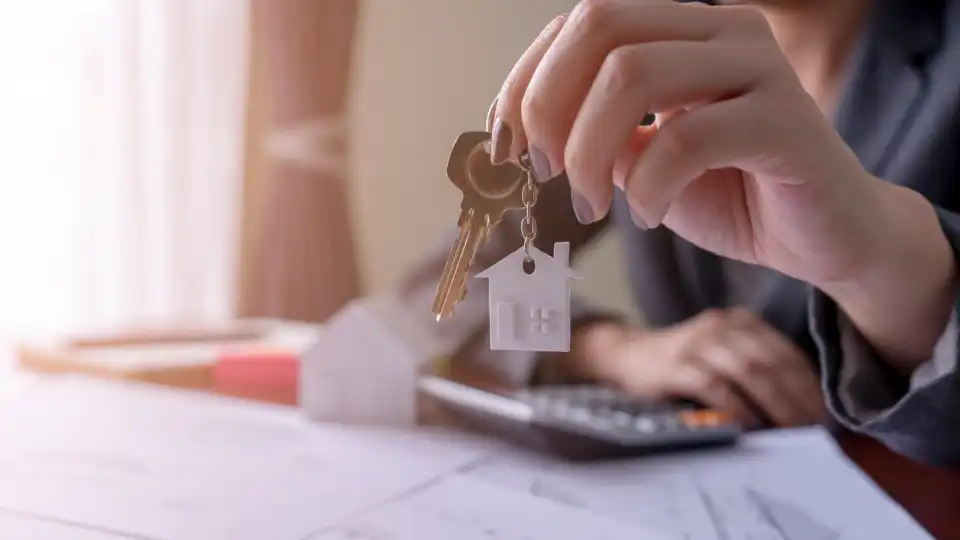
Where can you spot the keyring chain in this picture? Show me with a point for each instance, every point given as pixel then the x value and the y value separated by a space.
pixel 528 225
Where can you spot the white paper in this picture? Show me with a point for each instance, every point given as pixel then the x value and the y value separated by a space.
pixel 165 464
pixel 18 527
pixel 791 485
pixel 170 464
pixel 458 507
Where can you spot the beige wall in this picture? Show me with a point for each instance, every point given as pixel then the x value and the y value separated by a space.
pixel 427 70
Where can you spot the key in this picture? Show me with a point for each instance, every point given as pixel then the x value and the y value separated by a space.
pixel 488 192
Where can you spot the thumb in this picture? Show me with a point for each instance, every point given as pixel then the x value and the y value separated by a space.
pixel 631 152
pixel 642 136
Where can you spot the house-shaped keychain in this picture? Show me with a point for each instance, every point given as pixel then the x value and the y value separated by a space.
pixel 530 303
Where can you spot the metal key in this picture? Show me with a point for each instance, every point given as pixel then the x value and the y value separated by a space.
pixel 488 192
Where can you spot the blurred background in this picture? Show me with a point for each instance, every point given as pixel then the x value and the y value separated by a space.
pixel 194 160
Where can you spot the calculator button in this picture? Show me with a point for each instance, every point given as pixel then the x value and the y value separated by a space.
pixel 580 414
pixel 703 418
pixel 645 424
pixel 669 421
pixel 560 407
pixel 602 423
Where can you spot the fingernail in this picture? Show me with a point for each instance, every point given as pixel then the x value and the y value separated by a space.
pixel 502 138
pixel 638 221
pixel 657 217
pixel 581 207
pixel 541 165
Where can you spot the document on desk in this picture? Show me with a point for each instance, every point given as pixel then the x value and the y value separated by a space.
pixel 780 485
pixel 162 464
pixel 171 465
pixel 460 507
pixel 16 527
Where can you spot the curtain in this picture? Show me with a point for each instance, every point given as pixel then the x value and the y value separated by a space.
pixel 121 152
pixel 298 258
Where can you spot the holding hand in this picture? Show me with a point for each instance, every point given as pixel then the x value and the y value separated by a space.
pixel 741 162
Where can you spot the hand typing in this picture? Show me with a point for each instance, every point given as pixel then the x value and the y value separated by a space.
pixel 728 360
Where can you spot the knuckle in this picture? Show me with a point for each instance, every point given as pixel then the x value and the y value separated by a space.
pixel 533 109
pixel 674 140
pixel 594 15
pixel 712 318
pixel 708 384
pixel 742 317
pixel 749 20
pixel 622 68
pixel 752 367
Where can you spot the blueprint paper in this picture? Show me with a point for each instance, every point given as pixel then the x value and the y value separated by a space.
pixel 459 507
pixel 790 485
pixel 166 464
pixel 17 527
pixel 170 464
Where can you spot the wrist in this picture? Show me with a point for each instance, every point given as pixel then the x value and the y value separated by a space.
pixel 900 296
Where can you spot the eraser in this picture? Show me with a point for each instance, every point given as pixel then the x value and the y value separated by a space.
pixel 254 370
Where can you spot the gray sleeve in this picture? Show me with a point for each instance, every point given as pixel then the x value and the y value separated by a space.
pixel 917 416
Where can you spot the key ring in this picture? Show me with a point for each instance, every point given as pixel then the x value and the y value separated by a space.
pixel 528 225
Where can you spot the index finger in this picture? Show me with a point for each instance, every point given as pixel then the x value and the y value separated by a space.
pixel 567 70
pixel 504 120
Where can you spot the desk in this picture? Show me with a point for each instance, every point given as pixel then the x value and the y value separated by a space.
pixel 931 495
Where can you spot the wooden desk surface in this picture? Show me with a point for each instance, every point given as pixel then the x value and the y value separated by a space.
pixel 930 495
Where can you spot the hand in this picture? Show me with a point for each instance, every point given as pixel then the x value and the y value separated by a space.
pixel 729 360
pixel 741 161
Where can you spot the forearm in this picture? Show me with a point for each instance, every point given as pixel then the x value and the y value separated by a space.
pixel 901 299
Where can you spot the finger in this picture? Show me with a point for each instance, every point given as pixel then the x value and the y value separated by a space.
pixel 755 376
pixel 634 79
pixel 795 374
pixel 690 145
pixel 699 382
pixel 628 156
pixel 508 139
pixel 568 69
pixel 641 137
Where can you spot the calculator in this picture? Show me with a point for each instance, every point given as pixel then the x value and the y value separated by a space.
pixel 583 422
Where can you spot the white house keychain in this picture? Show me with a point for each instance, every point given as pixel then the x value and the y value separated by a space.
pixel 530 290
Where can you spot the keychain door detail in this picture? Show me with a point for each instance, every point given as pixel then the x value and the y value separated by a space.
pixel 530 300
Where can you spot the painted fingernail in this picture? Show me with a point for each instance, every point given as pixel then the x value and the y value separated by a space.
pixel 638 221
pixel 581 207
pixel 541 165
pixel 500 142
